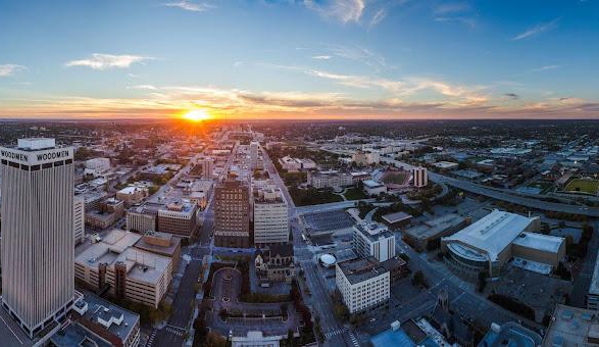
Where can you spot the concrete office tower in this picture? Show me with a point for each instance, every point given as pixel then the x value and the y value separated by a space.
pixel 38 249
pixel 79 219
pixel 207 168
pixel 271 217
pixel 420 177
pixel 254 155
pixel 231 214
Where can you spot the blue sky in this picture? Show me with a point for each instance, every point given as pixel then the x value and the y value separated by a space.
pixel 300 59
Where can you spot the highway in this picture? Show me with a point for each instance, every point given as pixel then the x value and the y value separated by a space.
pixel 506 196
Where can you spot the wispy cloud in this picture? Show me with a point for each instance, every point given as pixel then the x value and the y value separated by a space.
pixel 546 68
pixel 98 61
pixel 537 30
pixel 360 54
pixel 448 8
pixel 190 6
pixel 322 57
pixel 10 69
pixel 143 87
pixel 512 96
pixel 345 11
pixel 378 17
pixel 460 12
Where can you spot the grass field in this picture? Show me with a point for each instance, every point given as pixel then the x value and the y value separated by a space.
pixel 354 194
pixel 584 186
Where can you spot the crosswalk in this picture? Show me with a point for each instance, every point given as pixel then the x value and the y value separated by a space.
pixel 175 331
pixel 353 339
pixel 150 341
pixel 343 331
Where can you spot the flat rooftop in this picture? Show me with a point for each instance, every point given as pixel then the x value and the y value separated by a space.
pixel 396 217
pixel 360 270
pixel 571 326
pixel 541 242
pixel 373 231
pixel 511 334
pixel 436 226
pixel 141 265
pixel 492 233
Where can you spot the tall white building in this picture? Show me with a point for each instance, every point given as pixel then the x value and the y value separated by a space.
pixel 79 219
pixel 374 240
pixel 37 232
pixel 271 217
pixel 364 284
pixel 420 177
pixel 254 146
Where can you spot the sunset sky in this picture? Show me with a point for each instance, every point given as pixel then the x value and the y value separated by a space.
pixel 299 59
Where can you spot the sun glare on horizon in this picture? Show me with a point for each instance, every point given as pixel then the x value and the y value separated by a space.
pixel 197 115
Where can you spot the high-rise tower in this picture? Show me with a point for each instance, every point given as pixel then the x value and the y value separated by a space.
pixel 37 232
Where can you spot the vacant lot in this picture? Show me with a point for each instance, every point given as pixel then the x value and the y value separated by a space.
pixel 585 186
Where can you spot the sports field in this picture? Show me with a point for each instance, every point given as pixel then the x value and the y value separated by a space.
pixel 584 186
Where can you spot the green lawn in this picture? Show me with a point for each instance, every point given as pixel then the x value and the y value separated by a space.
pixel 354 194
pixel 585 186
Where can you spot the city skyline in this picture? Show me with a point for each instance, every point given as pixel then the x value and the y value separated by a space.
pixel 342 59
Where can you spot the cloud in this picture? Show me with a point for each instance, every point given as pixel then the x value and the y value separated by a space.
pixel 378 17
pixel 10 69
pixel 168 101
pixel 345 11
pixel 322 57
pixel 98 61
pixel 512 96
pixel 460 12
pixel 546 68
pixel 189 6
pixel 360 54
pixel 143 87
pixel 537 30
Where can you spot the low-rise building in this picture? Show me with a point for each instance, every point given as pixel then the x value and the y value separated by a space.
pixel 572 326
pixel 126 272
pixel 162 244
pixel 109 212
pixel 510 334
pixel 397 220
pixel 321 180
pixel 374 240
pixel 374 188
pixel 431 231
pixel 364 284
pixel 446 165
pixel 133 194
pixel 98 322
pixel 143 218
pixel 275 263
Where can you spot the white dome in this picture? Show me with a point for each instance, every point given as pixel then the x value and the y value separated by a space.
pixel 328 259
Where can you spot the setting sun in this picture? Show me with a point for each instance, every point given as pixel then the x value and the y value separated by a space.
pixel 197 115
